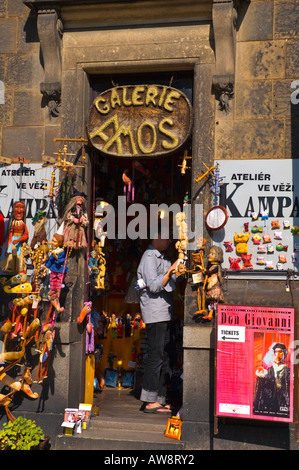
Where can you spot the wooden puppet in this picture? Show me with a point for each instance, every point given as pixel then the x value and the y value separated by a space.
pixel 214 293
pixel 58 270
pixel 46 348
pixel 18 234
pixel 12 358
pixel 97 267
pixel 181 244
pixel 75 222
pixel 199 271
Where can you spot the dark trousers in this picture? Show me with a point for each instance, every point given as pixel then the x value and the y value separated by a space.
pixel 159 362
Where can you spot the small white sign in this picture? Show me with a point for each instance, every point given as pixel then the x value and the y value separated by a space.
pixel 235 334
pixel 234 409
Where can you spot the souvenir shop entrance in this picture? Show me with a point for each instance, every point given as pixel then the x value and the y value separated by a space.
pixel 130 188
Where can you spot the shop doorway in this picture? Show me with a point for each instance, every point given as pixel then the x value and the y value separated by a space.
pixel 120 338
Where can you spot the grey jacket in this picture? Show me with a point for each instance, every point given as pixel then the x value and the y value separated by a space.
pixel 155 300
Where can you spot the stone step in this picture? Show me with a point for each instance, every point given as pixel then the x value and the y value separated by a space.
pixel 113 435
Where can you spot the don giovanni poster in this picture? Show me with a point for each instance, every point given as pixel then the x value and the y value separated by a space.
pixel 254 375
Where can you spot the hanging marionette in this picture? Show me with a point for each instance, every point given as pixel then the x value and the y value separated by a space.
pixel 12 357
pixel 97 267
pixel 199 274
pixel 58 270
pixel 214 293
pixel 47 346
pixel 181 244
pixel 18 234
pixel 75 221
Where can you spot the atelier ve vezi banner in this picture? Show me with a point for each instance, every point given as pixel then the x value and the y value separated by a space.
pixel 28 183
pixel 254 376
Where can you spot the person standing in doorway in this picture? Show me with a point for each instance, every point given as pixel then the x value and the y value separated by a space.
pixel 157 276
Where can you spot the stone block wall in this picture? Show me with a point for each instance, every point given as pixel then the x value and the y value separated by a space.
pixel 263 122
pixel 26 130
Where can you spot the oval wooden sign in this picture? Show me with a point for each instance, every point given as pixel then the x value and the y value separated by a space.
pixel 139 121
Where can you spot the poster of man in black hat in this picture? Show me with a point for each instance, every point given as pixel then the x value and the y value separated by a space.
pixel 272 390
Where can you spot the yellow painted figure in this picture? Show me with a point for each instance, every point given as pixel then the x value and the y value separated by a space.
pixel 97 267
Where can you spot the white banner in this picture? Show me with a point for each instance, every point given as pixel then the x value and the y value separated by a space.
pixel 261 197
pixel 29 183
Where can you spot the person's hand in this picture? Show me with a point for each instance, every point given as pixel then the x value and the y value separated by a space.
pixel 178 265
pixel 173 268
pixel 181 268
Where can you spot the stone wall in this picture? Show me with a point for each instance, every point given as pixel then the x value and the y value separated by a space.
pixel 263 122
pixel 26 130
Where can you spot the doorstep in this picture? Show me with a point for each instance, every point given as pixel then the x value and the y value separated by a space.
pixel 121 425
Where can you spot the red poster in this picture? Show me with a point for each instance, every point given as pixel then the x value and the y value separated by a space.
pixel 254 377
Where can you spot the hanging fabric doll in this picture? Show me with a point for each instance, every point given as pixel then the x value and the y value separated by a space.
pixel 75 221
pixel 18 234
pixel 228 246
pixel 57 265
pixel 241 242
pixel 234 263
pixel 247 262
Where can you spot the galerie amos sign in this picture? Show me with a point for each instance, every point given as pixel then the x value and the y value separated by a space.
pixel 139 121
